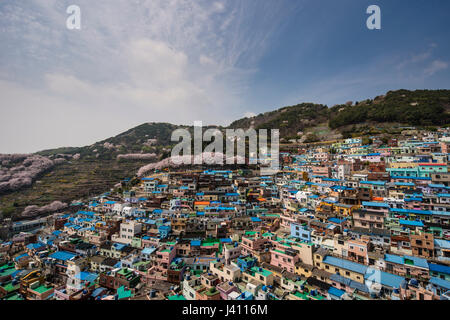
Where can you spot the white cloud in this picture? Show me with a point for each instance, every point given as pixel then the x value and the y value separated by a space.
pixel 132 62
pixel 435 66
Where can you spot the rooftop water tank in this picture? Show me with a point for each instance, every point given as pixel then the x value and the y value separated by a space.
pixel 413 282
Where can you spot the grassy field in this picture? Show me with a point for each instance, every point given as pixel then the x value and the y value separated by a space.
pixel 70 181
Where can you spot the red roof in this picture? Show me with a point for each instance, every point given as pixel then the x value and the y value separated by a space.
pixel 433 164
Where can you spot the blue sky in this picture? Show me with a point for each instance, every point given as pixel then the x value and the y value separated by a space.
pixel 216 61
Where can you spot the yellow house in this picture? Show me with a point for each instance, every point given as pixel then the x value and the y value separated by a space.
pixel 200 205
pixel 352 270
pixel 303 270
pixel 344 209
pixel 260 275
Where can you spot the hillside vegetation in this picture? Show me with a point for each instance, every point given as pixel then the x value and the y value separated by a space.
pixel 420 107
pixel 94 169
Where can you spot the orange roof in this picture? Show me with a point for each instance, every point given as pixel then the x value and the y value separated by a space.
pixel 201 203
pixel 262 199
pixel 377 199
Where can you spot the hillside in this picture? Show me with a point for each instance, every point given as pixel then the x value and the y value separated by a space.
pixel 290 120
pixel 316 122
pixel 420 108
pixel 96 168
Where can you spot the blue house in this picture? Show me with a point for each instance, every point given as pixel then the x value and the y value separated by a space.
pixel 164 231
pixel 246 262
pixel 301 232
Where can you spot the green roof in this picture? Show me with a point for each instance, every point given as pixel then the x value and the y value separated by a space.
pixel 209 243
pixel 211 292
pixel 263 271
pixel 123 293
pixel 42 288
pixel 124 271
pixel 10 288
pixel 177 297
pixel 8 272
pixel 303 296
pixel 15 296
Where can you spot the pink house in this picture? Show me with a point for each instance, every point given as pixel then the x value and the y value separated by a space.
pixel 284 259
pixel 225 288
pixel 358 251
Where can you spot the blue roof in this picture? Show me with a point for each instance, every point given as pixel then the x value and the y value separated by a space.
pixel 439 268
pixel 349 265
pixel 413 199
pixel 164 228
pixel 383 278
pixel 443 195
pixel 86 276
pixel 335 292
pixel 148 250
pixel 444 244
pixel 196 243
pixel 440 213
pixel 411 223
pixel 349 282
pixel 341 188
pixel 336 220
pixel 407 211
pixel 377 183
pixel 418 262
pixel 34 246
pixel 97 291
pixel 119 246
pixel 412 178
pixel 21 256
pixel 375 204
pixel 62 255
pixel 435 185
pixel 393 258
pixel 440 282
pixel 411 184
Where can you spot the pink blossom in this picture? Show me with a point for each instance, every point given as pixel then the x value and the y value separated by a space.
pixel 23 174
pixel 137 156
pixel 34 210
pixel 208 158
